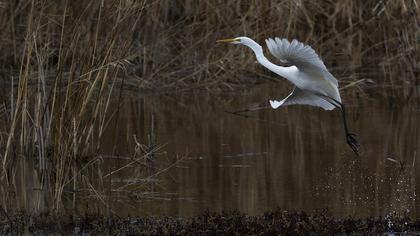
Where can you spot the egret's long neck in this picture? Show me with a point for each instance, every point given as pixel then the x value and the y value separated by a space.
pixel 285 72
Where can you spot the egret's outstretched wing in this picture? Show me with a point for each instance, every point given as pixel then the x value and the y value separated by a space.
pixel 302 97
pixel 298 54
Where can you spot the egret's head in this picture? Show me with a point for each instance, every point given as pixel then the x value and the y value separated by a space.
pixel 244 41
pixel 238 40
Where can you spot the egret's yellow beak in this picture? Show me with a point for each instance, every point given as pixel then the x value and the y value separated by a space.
pixel 227 40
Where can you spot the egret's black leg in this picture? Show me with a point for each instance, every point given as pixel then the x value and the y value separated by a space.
pixel 248 109
pixel 350 138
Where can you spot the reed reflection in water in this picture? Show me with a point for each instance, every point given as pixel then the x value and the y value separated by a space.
pixel 294 158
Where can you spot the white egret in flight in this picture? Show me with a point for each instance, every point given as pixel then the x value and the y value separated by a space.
pixel 314 84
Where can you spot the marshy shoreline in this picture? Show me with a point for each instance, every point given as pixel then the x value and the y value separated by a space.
pixel 275 222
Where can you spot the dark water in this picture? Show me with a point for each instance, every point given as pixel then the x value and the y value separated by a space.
pixel 294 158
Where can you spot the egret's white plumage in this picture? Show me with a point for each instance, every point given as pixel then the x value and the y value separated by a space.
pixel 308 73
pixel 295 53
pixel 302 97
pixel 314 84
pixel 313 74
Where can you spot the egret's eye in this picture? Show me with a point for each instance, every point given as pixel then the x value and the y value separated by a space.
pixel 237 41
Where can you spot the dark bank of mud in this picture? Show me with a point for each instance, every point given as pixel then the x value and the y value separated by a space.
pixel 208 223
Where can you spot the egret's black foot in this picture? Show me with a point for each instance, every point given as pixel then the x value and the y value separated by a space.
pixel 352 142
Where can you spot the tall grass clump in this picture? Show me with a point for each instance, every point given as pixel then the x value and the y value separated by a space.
pixel 58 78
pixel 62 62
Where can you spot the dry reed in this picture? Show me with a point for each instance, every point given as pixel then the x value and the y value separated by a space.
pixel 64 61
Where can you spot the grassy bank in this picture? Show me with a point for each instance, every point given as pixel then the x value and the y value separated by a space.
pixel 64 61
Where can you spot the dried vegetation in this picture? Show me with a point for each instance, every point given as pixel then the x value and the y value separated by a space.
pixel 62 62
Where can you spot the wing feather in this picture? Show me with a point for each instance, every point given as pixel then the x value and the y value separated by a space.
pixel 298 54
pixel 298 96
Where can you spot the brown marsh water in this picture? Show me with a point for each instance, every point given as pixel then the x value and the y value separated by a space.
pixel 294 158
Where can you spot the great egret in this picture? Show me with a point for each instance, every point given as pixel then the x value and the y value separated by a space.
pixel 314 84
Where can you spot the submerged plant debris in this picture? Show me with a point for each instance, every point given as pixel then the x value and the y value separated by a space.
pixel 210 223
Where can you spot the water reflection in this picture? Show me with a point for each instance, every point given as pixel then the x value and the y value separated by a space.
pixel 294 158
